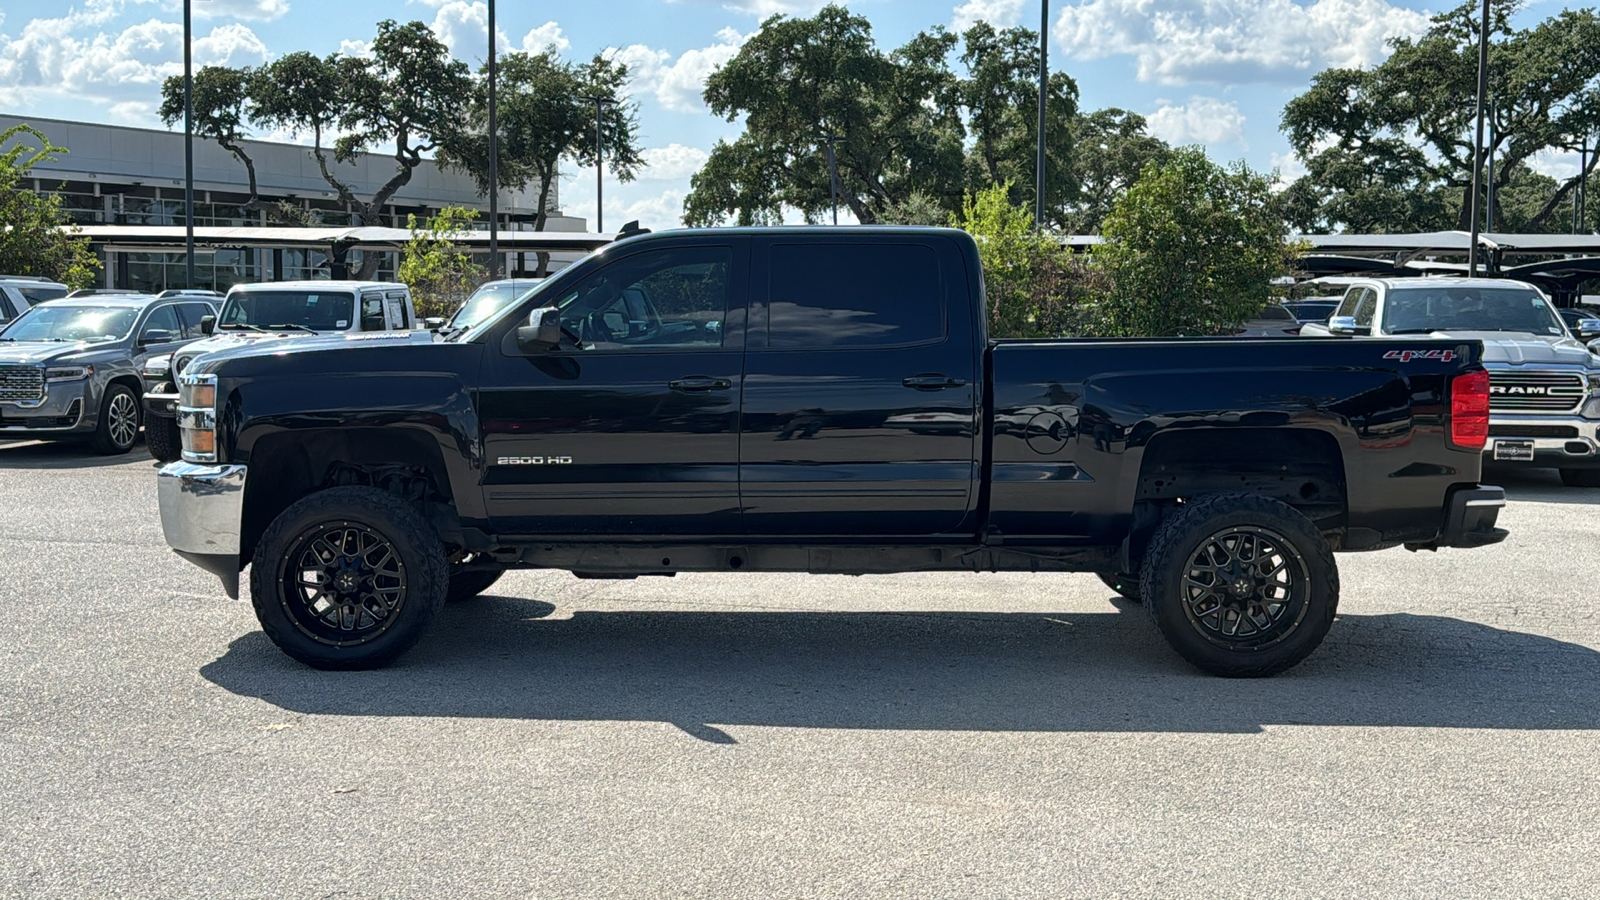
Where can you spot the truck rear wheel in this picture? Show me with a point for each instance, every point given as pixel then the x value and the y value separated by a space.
pixel 161 437
pixel 1580 477
pixel 1240 585
pixel 348 578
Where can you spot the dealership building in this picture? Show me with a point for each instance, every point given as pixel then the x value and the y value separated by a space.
pixel 125 187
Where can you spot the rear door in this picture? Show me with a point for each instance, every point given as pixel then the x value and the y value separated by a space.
pixel 860 400
pixel 634 431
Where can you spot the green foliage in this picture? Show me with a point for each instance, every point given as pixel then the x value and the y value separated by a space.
pixel 1035 287
pixel 34 235
pixel 545 116
pixel 1192 248
pixel 1390 148
pixel 439 271
pixel 1110 149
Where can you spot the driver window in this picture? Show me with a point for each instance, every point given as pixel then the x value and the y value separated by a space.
pixel 1347 306
pixel 163 318
pixel 670 298
pixel 1366 307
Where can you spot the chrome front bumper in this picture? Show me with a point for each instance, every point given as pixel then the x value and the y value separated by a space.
pixel 1578 447
pixel 202 507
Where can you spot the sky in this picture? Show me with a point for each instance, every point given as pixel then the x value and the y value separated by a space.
pixel 1209 72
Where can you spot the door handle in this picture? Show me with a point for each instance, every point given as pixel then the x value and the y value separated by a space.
pixel 932 382
pixel 699 383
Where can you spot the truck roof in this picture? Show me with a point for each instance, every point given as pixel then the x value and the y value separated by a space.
pixel 1451 281
pixel 319 285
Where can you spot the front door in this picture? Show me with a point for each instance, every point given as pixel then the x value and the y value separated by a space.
pixel 861 389
pixel 631 425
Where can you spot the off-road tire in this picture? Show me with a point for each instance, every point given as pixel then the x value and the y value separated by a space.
pixel 116 433
pixel 161 438
pixel 1308 609
pixel 1126 586
pixel 468 583
pixel 290 620
pixel 1580 477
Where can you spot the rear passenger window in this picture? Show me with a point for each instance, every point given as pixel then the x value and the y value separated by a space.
pixel 855 295
pixel 372 312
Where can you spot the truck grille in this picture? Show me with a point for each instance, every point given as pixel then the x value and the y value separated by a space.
pixel 1535 391
pixel 24 383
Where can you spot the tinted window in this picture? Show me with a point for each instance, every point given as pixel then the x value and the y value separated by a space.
pixel 1366 307
pixel 654 299
pixel 864 295
pixel 269 309
pixel 6 312
pixel 41 294
pixel 163 318
pixel 191 313
pixel 372 312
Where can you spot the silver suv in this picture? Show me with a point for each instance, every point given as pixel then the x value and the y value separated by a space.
pixel 273 310
pixel 70 368
pixel 18 293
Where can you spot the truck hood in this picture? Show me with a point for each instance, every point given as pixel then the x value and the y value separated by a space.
pixel 1515 348
pixel 37 352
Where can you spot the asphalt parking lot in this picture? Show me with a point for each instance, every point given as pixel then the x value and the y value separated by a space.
pixel 777 736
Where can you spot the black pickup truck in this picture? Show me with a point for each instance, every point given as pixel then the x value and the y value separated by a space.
pixel 815 400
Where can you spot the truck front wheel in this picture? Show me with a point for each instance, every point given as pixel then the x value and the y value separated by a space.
pixel 1240 585
pixel 348 578
pixel 162 439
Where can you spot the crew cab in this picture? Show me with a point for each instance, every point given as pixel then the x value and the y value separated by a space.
pixel 268 311
pixel 1544 383
pixel 815 400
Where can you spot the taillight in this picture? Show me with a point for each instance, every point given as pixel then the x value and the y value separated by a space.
pixel 1469 410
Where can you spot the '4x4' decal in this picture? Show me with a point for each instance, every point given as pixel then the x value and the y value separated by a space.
pixel 1408 355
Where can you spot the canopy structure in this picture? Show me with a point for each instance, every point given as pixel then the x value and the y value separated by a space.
pixel 124 237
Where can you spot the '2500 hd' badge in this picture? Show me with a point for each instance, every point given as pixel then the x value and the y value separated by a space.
pixel 1409 355
pixel 534 461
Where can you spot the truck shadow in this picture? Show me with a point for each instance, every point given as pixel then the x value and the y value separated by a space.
pixel 703 672
pixel 64 455
pixel 1538 486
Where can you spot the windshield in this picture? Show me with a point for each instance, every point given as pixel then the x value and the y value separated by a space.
pixel 488 300
pixel 73 323
pixel 286 309
pixel 1421 310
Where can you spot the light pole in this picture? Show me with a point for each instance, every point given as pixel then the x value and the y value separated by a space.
pixel 1044 93
pixel 494 160
pixel 600 103
pixel 830 139
pixel 1477 144
pixel 188 145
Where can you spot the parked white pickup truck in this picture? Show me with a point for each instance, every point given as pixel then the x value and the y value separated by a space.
pixel 1544 383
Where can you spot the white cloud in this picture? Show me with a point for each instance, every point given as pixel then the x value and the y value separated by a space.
pixel 134 112
pixel 357 48
pixel 68 56
pixel 464 28
pixel 1289 168
pixel 258 10
pixel 1557 164
pixel 672 162
pixel 1203 120
pixel 1233 41
pixel 999 13
pixel 546 37
pixel 764 8
pixel 678 84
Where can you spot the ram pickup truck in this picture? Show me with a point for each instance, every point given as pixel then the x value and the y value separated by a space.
pixel 1544 383
pixel 815 400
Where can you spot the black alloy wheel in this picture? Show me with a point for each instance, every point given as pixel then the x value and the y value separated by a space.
pixel 348 578
pixel 1240 585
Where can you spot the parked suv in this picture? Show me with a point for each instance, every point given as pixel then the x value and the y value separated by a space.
pixel 20 292
pixel 1544 384
pixel 270 311
pixel 71 367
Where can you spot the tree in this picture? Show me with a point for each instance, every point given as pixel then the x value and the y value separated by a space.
pixel 1192 248
pixel 1110 149
pixel 36 236
pixel 440 273
pixel 1378 141
pixel 1035 287
pixel 546 115
pixel 410 96
pixel 892 117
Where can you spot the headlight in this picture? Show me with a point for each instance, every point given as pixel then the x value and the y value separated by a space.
pixel 68 373
pixel 197 417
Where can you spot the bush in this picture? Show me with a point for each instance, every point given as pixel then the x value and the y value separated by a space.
pixel 1035 287
pixel 440 273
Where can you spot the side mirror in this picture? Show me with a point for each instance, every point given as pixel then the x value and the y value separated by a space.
pixel 543 331
pixel 208 324
pixel 155 336
pixel 1347 325
pixel 433 323
pixel 1588 329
